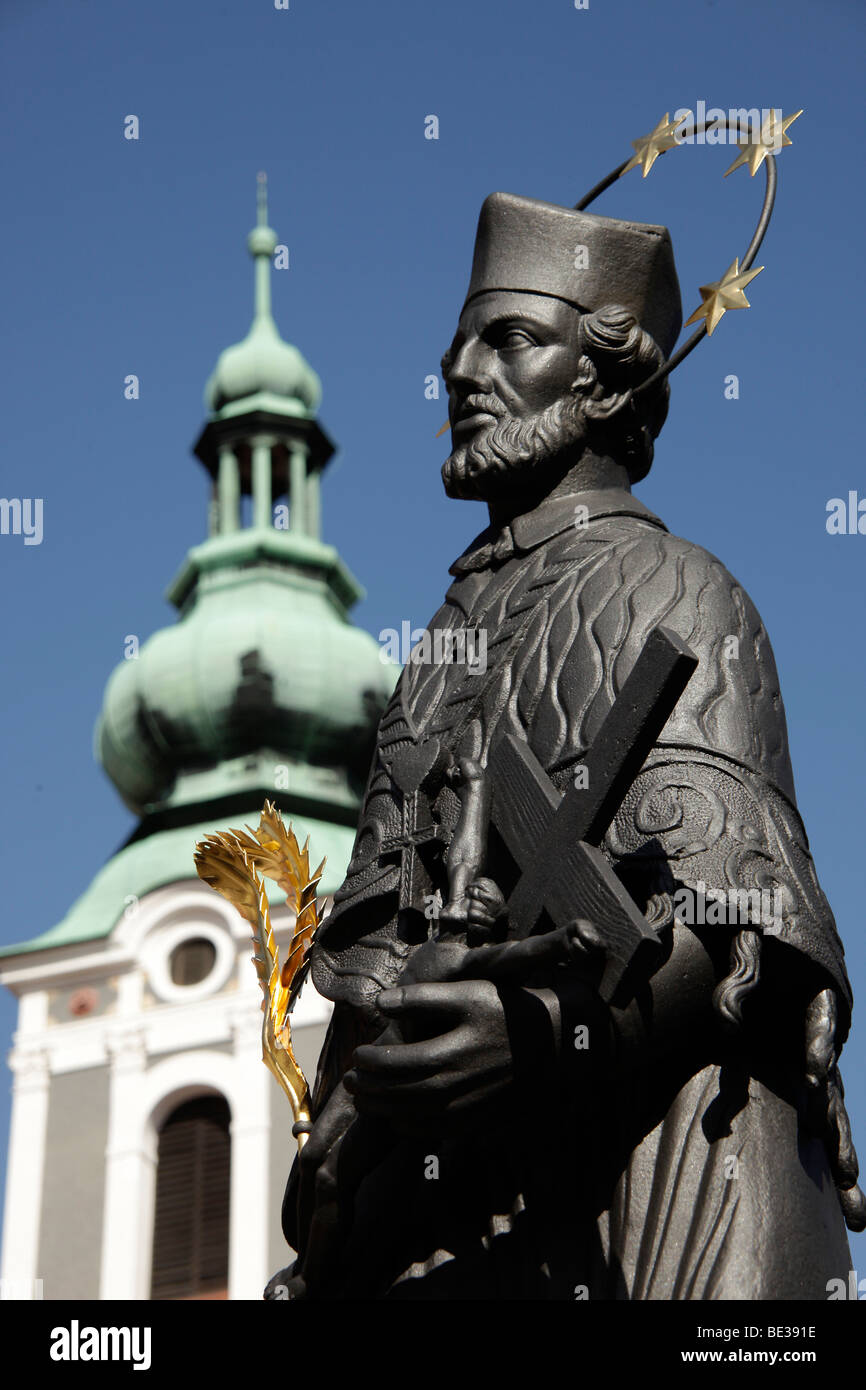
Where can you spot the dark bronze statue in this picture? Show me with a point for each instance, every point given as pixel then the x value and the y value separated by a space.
pixel 573 1052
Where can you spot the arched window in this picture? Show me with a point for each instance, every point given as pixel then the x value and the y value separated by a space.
pixel 191 1219
pixel 192 961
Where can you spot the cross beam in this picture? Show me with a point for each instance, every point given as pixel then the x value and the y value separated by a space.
pixel 403 846
pixel 554 839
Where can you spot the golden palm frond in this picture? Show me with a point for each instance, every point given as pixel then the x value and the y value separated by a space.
pixel 220 862
pixel 235 863
pixel 275 853
pixel 277 1051
pixel 266 956
pixel 280 857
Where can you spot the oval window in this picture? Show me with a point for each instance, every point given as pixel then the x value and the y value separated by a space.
pixel 192 961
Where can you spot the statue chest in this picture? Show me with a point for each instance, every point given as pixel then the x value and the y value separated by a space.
pixel 462 685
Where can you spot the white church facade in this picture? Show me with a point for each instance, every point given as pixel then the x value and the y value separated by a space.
pixel 149 1146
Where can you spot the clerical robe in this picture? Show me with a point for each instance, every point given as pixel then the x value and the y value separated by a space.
pixel 690 1174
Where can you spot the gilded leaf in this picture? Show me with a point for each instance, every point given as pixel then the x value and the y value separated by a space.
pixel 235 863
pixel 220 862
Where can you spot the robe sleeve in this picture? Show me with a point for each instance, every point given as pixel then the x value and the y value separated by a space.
pixel 714 804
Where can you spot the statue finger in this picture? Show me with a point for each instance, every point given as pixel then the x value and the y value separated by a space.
pixel 374 1065
pixel 406 1103
pixel 585 936
pixel 486 891
pixel 480 916
pixel 423 999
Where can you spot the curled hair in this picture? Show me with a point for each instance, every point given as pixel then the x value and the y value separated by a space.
pixel 825 1094
pixel 621 355
pixel 744 974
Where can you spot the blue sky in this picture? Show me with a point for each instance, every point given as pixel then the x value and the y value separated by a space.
pixel 121 256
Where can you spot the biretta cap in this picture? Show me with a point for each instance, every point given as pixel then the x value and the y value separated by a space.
pixel 540 248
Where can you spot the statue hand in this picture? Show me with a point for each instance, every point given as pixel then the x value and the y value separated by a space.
pixel 486 904
pixel 481 912
pixel 465 1058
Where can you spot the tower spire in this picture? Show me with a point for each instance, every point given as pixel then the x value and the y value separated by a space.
pixel 263 439
pixel 262 243
pixel 262 198
pixel 263 364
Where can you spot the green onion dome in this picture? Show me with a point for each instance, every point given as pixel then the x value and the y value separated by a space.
pixel 260 662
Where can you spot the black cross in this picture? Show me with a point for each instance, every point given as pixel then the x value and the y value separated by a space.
pixel 406 843
pixel 554 839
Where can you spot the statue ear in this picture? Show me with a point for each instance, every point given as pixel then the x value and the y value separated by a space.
pixel 596 405
pixel 605 406
pixel 586 378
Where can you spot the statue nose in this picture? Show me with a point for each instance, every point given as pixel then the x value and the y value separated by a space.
pixel 467 374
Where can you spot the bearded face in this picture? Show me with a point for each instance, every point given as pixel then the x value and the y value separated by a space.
pixel 503 449
pixel 514 403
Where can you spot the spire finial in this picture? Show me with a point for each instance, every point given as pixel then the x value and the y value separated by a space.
pixel 263 362
pixel 262 198
pixel 262 242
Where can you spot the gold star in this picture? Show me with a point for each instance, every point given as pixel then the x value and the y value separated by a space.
pixel 446 426
pixel 772 138
pixel 725 294
pixel 649 147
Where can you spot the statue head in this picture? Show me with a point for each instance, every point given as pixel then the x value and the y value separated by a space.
pixel 566 314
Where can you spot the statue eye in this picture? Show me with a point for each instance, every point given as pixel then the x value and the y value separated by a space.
pixel 512 338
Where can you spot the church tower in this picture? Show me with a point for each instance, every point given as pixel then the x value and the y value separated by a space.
pixel 149 1146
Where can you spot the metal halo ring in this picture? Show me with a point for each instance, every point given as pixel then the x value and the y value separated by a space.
pixel 754 245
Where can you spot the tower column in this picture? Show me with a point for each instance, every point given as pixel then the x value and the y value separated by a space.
pixel 130 1164
pixel 314 507
pixel 262 482
pixel 27 1140
pixel 250 1132
pixel 298 520
pixel 229 491
pixel 213 513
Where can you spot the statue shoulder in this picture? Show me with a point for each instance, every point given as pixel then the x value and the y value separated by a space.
pixel 644 577
pixel 665 571
pixel 657 577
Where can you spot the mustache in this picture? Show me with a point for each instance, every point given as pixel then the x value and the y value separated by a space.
pixel 478 403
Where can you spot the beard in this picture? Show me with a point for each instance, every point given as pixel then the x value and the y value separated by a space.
pixel 503 458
